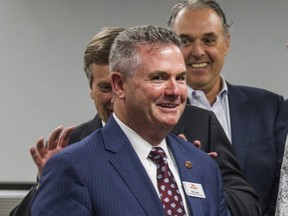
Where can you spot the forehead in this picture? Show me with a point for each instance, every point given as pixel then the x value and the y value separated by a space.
pixel 198 21
pixel 100 72
pixel 165 57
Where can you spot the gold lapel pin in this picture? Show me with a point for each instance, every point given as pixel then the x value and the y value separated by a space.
pixel 188 164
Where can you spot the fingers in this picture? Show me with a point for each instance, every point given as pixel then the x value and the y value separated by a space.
pixel 53 139
pixel 213 155
pixel 41 148
pixel 38 151
pixel 57 141
pixel 197 143
pixel 182 136
pixel 64 138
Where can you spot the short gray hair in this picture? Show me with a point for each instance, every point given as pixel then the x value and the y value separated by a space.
pixel 124 55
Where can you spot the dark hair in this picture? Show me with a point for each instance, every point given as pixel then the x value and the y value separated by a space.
pixel 98 49
pixel 198 4
pixel 124 56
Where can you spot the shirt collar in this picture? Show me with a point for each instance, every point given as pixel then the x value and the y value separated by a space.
pixel 103 123
pixel 222 93
pixel 141 146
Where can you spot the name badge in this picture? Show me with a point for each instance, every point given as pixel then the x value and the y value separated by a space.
pixel 194 189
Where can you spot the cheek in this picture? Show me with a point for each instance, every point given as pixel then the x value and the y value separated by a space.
pixel 185 53
pixel 218 52
pixel 105 98
pixel 183 89
pixel 94 93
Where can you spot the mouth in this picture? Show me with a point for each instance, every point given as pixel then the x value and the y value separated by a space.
pixel 169 107
pixel 198 65
pixel 166 105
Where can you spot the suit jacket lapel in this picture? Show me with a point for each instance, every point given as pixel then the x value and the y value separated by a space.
pixel 190 175
pixel 127 164
pixel 240 118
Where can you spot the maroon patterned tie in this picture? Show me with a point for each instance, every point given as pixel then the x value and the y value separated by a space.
pixel 168 189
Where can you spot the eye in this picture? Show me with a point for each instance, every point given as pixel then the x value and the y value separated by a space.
pixel 158 78
pixel 105 88
pixel 182 77
pixel 210 40
pixel 185 41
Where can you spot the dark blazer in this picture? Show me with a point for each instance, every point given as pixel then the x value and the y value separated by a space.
pixel 102 175
pixel 241 198
pixel 85 129
pixel 259 128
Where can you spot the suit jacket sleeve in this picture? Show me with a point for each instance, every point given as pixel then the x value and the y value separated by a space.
pixel 242 199
pixel 62 180
pixel 23 208
pixel 197 123
pixel 78 134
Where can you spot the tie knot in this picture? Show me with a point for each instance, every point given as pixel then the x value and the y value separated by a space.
pixel 157 155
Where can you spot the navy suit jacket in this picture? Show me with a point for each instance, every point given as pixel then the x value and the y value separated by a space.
pixel 79 133
pixel 102 175
pixel 195 123
pixel 259 127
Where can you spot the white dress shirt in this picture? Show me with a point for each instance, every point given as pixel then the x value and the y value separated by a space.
pixel 142 149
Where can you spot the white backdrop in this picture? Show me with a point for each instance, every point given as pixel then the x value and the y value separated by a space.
pixel 42 83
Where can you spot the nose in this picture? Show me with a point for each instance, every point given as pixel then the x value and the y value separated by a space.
pixel 197 49
pixel 172 88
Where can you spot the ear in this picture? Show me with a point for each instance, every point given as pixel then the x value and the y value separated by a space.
pixel 227 42
pixel 91 94
pixel 117 81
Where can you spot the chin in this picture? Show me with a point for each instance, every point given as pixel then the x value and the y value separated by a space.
pixel 170 123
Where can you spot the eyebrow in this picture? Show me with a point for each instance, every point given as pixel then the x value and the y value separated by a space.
pixel 208 34
pixel 103 83
pixel 183 73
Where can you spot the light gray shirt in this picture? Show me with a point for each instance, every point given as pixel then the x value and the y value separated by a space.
pixel 220 107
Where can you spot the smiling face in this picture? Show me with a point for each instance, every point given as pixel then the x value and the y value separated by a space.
pixel 205 47
pixel 154 97
pixel 101 90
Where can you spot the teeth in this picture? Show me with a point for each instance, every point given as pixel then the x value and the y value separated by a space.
pixel 167 105
pixel 199 65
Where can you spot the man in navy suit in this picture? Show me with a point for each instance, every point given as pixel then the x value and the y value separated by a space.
pixel 109 172
pixel 254 119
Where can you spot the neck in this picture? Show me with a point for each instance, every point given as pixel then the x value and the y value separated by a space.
pixel 212 91
pixel 151 133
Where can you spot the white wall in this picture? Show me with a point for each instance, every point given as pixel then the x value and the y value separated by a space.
pixel 42 83
pixel 259 55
